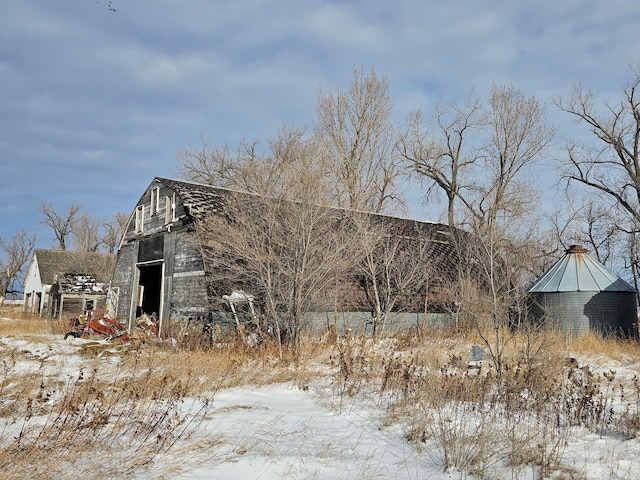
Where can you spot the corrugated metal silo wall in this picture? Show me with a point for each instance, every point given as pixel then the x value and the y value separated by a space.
pixel 613 312
pixel 578 312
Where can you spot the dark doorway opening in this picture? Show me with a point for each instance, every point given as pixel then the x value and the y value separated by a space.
pixel 149 287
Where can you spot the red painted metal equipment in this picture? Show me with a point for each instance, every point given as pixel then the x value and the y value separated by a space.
pixel 96 324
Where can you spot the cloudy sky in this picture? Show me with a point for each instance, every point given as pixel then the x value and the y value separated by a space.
pixel 96 102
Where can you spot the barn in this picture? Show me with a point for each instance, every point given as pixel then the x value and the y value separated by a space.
pixel 578 294
pixel 160 268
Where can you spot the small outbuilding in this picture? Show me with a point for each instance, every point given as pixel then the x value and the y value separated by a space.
pixel 579 294
pixel 61 282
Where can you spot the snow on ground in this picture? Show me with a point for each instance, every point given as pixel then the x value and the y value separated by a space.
pixel 281 431
pixel 278 431
pixel 269 432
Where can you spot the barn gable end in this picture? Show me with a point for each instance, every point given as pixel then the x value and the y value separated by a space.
pixel 159 267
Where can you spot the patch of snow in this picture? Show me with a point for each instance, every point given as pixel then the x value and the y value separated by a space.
pixel 280 431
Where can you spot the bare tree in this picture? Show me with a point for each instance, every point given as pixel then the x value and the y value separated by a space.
pixel 505 253
pixel 113 230
pixel 443 152
pixel 479 156
pixel 592 225
pixel 85 233
pixel 15 254
pixel 286 253
pixel 280 171
pixel 294 169
pixel 354 129
pixel 299 168
pixel 497 302
pixel 212 165
pixel 610 168
pixel 279 241
pixel 519 136
pixel 396 262
pixel 633 256
pixel 61 223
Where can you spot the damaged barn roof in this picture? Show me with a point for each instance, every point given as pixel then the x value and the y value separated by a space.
pixel 201 200
pixel 55 262
pixel 198 198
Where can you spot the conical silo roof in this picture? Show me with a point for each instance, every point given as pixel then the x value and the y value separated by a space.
pixel 577 271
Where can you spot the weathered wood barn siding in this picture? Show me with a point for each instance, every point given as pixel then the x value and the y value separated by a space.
pixel 160 267
pixel 158 252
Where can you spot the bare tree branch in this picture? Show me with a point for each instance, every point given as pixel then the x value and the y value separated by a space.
pixel 61 223
pixel 443 151
pixel 354 128
pixel 15 254
pixel 113 229
pixel 613 169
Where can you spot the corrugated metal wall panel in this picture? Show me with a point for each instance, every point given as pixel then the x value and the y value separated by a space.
pixel 578 312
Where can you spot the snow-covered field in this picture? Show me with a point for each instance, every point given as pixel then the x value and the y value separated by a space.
pixel 279 431
pixel 268 432
pixel 303 430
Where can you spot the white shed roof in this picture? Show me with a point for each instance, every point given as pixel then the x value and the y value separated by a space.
pixel 577 271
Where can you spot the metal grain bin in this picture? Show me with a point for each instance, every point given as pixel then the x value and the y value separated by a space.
pixel 579 294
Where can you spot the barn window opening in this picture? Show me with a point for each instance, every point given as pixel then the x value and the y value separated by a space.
pixel 170 212
pixel 139 218
pixel 155 201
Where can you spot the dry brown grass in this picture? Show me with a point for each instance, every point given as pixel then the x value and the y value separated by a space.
pixel 124 403
pixel 122 412
pixel 12 311
pixel 13 321
pixel 129 415
pixel 593 343
pixel 476 419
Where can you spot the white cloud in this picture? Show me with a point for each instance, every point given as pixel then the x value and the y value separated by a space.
pixel 137 84
pixel 337 25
